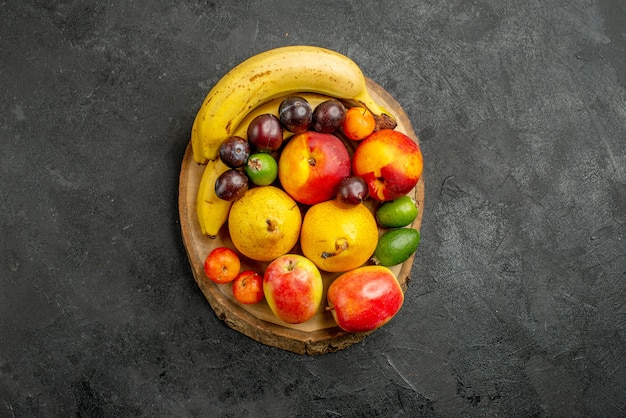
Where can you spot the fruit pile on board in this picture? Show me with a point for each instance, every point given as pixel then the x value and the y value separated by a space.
pixel 304 169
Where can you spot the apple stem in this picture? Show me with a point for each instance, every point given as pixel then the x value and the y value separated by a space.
pixel 271 225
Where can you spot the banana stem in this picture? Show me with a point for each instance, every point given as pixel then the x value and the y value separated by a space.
pixel 384 121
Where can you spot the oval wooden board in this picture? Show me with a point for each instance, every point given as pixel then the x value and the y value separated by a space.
pixel 320 334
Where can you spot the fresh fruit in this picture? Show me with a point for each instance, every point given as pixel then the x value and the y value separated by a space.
pixel 234 151
pixel 264 223
pixel 272 107
pixel 211 210
pixel 338 237
pixel 397 213
pixel 248 287
pixel 396 246
pixel 265 133
pixel 268 75
pixel 295 114
pixel 358 124
pixel 390 162
pixel 231 184
pixel 222 265
pixel 262 169
pixel 311 166
pixel 293 288
pixel 365 298
pixel 328 116
pixel 352 190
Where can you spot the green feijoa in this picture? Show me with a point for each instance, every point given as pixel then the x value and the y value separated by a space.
pixel 397 213
pixel 396 246
pixel 262 169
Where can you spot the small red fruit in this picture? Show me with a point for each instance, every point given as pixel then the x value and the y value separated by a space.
pixel 222 265
pixel 248 287
pixel 359 123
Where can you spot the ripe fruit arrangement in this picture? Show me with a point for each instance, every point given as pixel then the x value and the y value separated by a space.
pixel 302 127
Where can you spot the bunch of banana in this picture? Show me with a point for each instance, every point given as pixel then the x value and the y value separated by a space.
pixel 269 75
pixel 213 211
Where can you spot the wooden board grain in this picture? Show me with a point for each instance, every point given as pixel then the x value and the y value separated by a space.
pixel 320 334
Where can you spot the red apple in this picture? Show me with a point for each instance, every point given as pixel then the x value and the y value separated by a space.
pixel 311 166
pixel 222 265
pixel 365 298
pixel 248 287
pixel 390 162
pixel 293 288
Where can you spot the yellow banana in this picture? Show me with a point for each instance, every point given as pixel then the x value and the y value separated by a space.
pixel 212 211
pixel 270 74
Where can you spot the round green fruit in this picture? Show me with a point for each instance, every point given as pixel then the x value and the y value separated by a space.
pixel 262 169
pixel 396 246
pixel 397 213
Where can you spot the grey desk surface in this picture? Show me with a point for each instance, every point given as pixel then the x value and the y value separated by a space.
pixel 516 301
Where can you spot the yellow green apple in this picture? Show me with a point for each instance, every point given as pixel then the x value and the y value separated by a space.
pixel 293 288
pixel 365 298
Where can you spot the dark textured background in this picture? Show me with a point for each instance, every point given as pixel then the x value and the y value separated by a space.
pixel 516 305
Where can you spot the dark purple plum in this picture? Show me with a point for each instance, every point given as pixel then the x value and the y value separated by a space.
pixel 352 190
pixel 295 114
pixel 231 185
pixel 328 116
pixel 265 133
pixel 234 151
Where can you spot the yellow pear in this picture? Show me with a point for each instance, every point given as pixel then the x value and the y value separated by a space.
pixel 338 236
pixel 264 223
